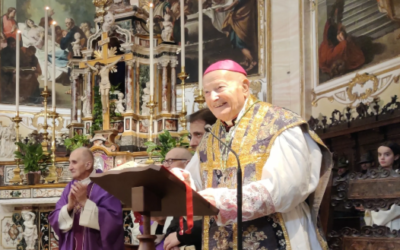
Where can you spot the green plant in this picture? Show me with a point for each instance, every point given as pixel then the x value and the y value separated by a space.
pixel 32 156
pixel 167 142
pixel 76 142
pixel 97 112
pixel 114 88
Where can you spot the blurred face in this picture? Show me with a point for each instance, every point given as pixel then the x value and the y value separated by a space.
pixel 366 165
pixel 58 30
pixel 68 23
pixel 13 45
pixel 84 27
pixel 30 23
pixel 196 133
pixel 386 157
pixel 12 14
pixel 175 160
pixel 341 171
pixel 79 167
pixel 225 93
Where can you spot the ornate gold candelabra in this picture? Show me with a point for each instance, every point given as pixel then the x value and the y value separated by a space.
pixel 151 105
pixel 200 100
pixel 17 171
pixel 45 142
pixel 52 169
pixel 183 76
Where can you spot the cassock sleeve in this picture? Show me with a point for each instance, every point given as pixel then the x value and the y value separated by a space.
pixel 289 176
pixel 90 215
pixel 65 220
pixel 54 216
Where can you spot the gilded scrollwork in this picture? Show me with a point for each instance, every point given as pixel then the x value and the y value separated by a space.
pixel 362 80
pixel 39 126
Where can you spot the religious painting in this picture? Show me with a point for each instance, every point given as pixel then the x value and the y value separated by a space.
pixel 87 127
pixel 134 125
pixel 353 36
pixel 127 124
pixel 125 24
pixel 229 32
pixel 78 131
pixel 171 125
pixel 118 125
pixel 121 8
pixel 28 16
pixel 144 126
pixel 102 161
pixel 159 125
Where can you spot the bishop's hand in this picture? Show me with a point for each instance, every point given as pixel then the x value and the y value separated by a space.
pixel 79 190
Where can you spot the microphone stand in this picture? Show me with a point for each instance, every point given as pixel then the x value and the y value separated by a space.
pixel 239 243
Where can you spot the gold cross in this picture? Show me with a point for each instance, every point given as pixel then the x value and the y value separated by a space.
pixel 105 56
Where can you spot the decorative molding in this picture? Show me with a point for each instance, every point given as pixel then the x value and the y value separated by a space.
pixel 370 190
pixel 362 88
pixel 376 237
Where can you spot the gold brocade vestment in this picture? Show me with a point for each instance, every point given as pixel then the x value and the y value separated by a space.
pixel 254 134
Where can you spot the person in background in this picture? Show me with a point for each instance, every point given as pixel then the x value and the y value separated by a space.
pixel 366 162
pixel 197 121
pixel 87 217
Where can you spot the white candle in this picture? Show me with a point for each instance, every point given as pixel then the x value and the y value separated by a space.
pixel 46 49
pixel 183 33
pixel 17 69
pixel 200 44
pixel 151 27
pixel 53 60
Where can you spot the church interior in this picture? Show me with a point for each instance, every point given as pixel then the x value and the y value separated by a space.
pixel 94 74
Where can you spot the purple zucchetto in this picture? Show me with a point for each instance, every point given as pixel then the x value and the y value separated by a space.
pixel 226 65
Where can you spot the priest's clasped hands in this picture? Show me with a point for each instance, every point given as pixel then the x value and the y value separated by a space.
pixel 77 195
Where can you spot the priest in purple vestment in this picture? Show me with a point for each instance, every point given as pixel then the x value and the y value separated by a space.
pixel 87 217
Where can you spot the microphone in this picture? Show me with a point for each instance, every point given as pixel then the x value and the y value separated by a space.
pixel 208 128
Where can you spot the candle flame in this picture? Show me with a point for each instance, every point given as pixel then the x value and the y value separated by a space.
pixel 54 22
pixel 18 31
pixel 47 8
pixel 151 5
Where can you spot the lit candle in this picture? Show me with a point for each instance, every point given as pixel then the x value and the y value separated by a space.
pixel 183 33
pixel 53 61
pixel 151 28
pixel 200 44
pixel 46 49
pixel 17 69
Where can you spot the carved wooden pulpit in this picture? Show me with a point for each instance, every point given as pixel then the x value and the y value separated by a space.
pixel 152 191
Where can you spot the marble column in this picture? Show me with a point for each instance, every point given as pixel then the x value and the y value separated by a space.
pixel 137 97
pixel 173 86
pixel 164 98
pixel 129 86
pixel 74 97
pixel 89 92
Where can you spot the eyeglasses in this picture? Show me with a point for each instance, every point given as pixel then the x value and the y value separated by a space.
pixel 170 161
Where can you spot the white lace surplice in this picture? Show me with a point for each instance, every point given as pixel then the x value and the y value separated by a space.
pixel 289 176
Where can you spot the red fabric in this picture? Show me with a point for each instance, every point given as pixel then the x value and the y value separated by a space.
pixel 138 218
pixel 346 51
pixel 226 65
pixel 189 211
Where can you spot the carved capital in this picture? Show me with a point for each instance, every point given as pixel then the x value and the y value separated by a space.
pixel 174 63
pixel 164 63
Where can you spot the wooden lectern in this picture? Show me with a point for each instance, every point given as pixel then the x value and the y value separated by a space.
pixel 152 191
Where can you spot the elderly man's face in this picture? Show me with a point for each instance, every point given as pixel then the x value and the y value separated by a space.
pixel 68 23
pixel 225 93
pixel 196 133
pixel 78 165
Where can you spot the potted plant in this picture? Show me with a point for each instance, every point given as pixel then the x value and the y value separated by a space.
pixel 76 142
pixel 34 160
pixel 166 143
